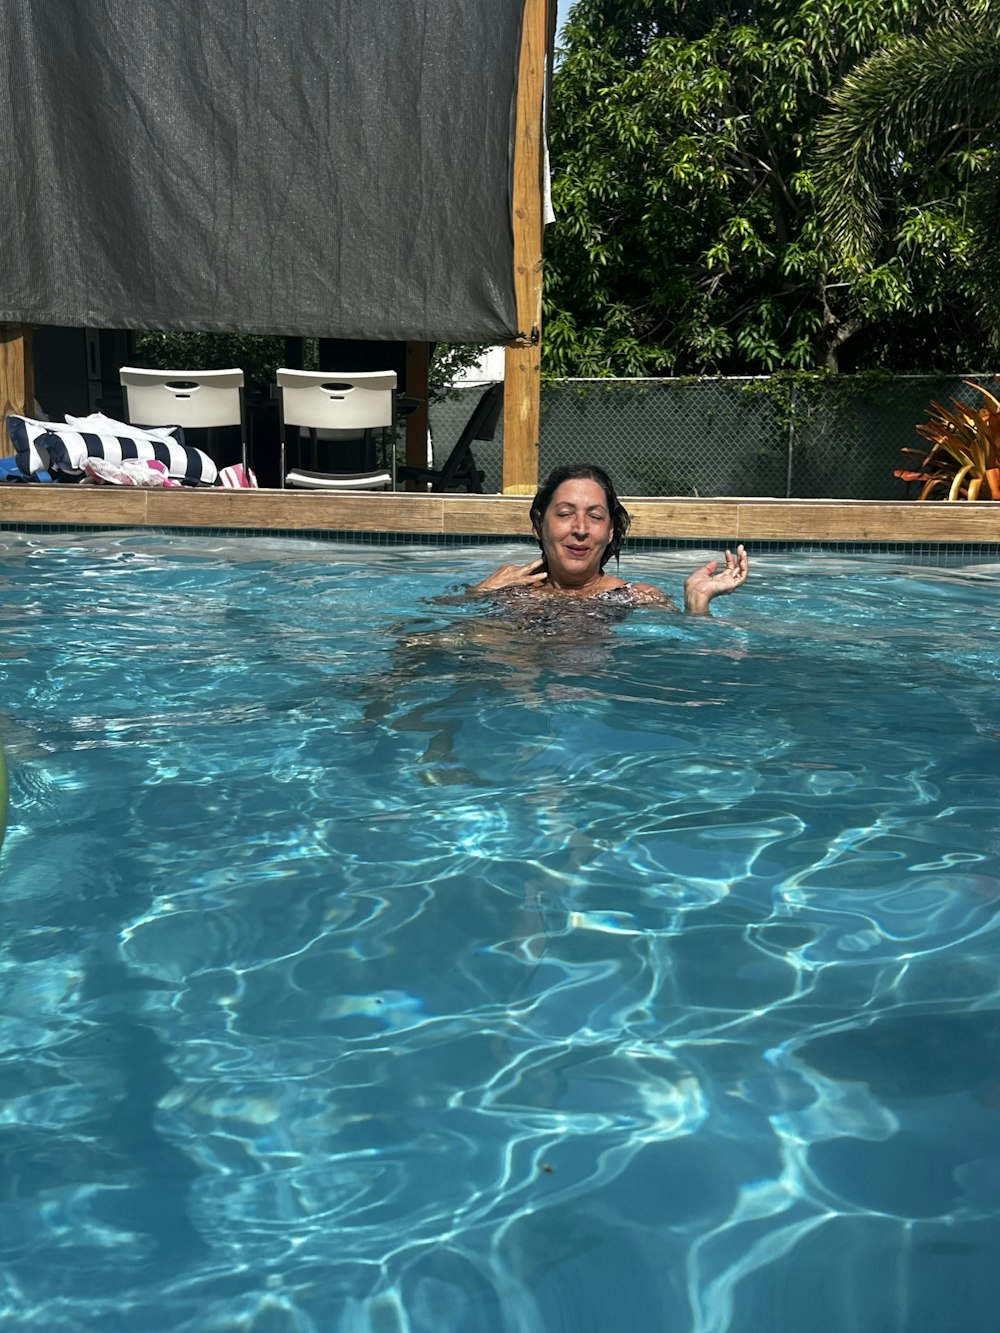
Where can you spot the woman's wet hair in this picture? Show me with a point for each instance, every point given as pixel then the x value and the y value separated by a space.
pixel 620 518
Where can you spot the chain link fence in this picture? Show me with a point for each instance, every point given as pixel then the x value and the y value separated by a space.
pixel 837 438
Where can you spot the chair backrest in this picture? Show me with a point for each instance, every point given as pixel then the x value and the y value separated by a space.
pixel 195 398
pixel 337 400
pixel 482 424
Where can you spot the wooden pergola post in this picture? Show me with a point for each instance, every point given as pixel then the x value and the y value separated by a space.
pixel 17 378
pixel 417 384
pixel 523 362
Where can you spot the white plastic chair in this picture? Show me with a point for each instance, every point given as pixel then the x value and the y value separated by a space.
pixel 199 399
pixel 338 408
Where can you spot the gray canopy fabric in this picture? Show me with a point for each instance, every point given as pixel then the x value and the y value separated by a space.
pixel 336 168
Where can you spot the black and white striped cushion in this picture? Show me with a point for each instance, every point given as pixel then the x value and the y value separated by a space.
pixel 47 446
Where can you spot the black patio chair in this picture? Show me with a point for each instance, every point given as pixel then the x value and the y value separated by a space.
pixel 459 470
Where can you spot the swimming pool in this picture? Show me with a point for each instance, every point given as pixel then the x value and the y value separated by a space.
pixel 371 962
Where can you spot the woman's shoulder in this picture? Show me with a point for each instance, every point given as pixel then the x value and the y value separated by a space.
pixel 648 594
pixel 634 594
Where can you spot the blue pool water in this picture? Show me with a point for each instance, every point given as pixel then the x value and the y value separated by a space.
pixel 377 964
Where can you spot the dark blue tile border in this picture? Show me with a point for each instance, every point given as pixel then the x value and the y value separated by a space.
pixel 922 552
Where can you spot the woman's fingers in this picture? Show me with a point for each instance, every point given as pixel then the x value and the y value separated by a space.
pixel 533 573
pixel 737 566
pixel 510 575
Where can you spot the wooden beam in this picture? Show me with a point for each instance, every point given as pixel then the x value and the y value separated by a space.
pixel 17 377
pixel 523 377
pixel 713 524
pixel 417 384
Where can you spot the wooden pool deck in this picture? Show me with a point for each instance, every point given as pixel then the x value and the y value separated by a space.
pixel 492 516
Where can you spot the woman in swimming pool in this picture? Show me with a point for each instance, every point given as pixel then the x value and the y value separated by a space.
pixel 580 524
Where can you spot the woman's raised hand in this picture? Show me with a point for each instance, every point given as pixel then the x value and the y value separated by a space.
pixel 710 581
pixel 514 576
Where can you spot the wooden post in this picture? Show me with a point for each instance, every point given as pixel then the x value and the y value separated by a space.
pixel 17 377
pixel 417 376
pixel 523 361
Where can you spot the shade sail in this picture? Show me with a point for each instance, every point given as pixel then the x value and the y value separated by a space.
pixel 336 168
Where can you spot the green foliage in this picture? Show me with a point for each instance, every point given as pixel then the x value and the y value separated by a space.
pixel 801 397
pixel 907 162
pixel 964 457
pixel 259 356
pixel 687 238
pixel 447 361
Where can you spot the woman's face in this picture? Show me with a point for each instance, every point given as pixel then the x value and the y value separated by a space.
pixel 576 530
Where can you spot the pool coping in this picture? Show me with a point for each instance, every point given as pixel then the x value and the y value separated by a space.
pixel 727 520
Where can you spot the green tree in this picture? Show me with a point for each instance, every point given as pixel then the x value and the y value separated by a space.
pixel 886 154
pixel 687 238
pixel 259 356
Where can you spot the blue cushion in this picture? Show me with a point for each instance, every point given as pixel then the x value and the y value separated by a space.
pixel 9 471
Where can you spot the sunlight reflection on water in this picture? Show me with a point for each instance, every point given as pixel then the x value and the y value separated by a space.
pixel 378 963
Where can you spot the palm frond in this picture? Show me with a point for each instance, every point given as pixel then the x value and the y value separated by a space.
pixel 985 206
pixel 944 79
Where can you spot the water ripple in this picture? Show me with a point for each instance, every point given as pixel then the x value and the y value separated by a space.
pixel 372 963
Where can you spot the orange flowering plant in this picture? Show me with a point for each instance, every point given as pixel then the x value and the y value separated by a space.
pixel 964 457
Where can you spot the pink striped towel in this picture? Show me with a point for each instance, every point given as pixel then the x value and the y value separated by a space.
pixel 237 476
